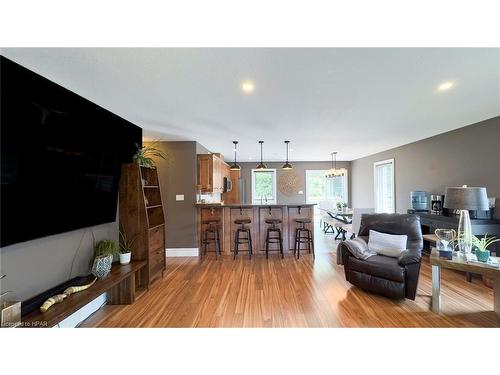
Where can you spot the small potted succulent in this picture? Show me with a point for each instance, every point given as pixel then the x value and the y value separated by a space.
pixel 482 252
pixel 126 247
pixel 105 252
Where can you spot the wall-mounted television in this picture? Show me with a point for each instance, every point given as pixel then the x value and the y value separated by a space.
pixel 61 157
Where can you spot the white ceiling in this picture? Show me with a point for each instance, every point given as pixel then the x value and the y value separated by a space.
pixel 355 101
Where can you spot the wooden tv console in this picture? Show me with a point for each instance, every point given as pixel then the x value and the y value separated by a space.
pixel 121 287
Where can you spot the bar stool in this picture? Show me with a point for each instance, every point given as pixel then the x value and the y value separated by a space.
pixel 274 240
pixel 211 235
pixel 303 235
pixel 240 240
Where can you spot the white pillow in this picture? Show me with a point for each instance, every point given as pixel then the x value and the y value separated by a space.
pixel 390 245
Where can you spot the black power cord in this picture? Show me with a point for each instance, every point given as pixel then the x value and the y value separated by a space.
pixel 79 246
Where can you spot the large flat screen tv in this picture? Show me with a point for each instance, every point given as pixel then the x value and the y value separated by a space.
pixel 61 157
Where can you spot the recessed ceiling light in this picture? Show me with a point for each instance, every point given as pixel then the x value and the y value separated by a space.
pixel 445 86
pixel 247 86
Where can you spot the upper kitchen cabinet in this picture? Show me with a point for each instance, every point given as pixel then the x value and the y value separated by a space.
pixel 211 172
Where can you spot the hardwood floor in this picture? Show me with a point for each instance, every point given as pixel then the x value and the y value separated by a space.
pixel 289 293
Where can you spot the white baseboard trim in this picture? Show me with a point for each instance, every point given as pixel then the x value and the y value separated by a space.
pixel 182 252
pixel 79 316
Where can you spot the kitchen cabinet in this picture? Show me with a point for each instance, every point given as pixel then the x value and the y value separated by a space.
pixel 211 172
pixel 205 173
pixel 233 196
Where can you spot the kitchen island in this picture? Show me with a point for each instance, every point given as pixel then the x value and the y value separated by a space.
pixel 258 214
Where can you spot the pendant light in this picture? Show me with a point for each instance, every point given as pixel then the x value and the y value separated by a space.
pixel 334 172
pixel 235 166
pixel 287 165
pixel 261 165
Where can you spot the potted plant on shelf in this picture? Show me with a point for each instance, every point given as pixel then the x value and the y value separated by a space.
pixel 126 247
pixel 482 252
pixel 105 252
pixel 144 155
pixel 481 246
pixel 339 206
pixel 107 247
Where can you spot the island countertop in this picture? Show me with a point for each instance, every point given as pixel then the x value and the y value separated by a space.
pixel 238 205
pixel 227 214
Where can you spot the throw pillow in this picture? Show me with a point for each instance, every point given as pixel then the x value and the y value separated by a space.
pixel 390 245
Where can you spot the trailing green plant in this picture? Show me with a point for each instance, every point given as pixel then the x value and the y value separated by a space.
pixel 146 154
pixel 483 243
pixel 126 244
pixel 339 205
pixel 106 247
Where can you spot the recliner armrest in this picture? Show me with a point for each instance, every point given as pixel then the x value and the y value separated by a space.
pixel 409 257
pixel 357 248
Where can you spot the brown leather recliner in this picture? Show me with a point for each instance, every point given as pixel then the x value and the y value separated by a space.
pixel 391 277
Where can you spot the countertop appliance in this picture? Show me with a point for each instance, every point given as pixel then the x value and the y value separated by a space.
pixel 228 185
pixel 418 201
pixel 437 204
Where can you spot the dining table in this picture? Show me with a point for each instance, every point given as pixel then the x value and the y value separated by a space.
pixel 343 215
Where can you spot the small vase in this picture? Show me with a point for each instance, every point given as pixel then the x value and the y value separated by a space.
pixel 483 255
pixel 102 265
pixel 125 258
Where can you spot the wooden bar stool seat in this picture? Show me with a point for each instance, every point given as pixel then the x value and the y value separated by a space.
pixel 273 221
pixel 303 235
pixel 213 221
pixel 276 239
pixel 242 236
pixel 211 235
pixel 242 221
pixel 303 221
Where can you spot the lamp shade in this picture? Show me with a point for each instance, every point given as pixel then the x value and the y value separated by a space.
pixel 466 198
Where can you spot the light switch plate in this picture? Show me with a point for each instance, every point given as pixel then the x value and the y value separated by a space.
pixel 179 197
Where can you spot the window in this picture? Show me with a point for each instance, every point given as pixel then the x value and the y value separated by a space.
pixel 319 188
pixel 264 185
pixel 383 173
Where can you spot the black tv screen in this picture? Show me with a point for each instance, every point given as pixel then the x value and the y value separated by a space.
pixel 61 157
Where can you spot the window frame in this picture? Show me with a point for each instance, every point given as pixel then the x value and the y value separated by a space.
pixel 346 184
pixel 375 184
pixel 255 199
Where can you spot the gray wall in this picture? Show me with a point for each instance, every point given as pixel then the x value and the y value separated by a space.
pixel 299 168
pixel 469 155
pixel 178 176
pixel 35 266
pixel 200 149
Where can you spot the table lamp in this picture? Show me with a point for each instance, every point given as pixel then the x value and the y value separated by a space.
pixel 464 199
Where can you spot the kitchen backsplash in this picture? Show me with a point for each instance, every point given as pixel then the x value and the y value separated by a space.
pixel 209 197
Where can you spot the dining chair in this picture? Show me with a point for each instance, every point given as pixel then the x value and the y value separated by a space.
pixel 353 228
pixel 324 206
